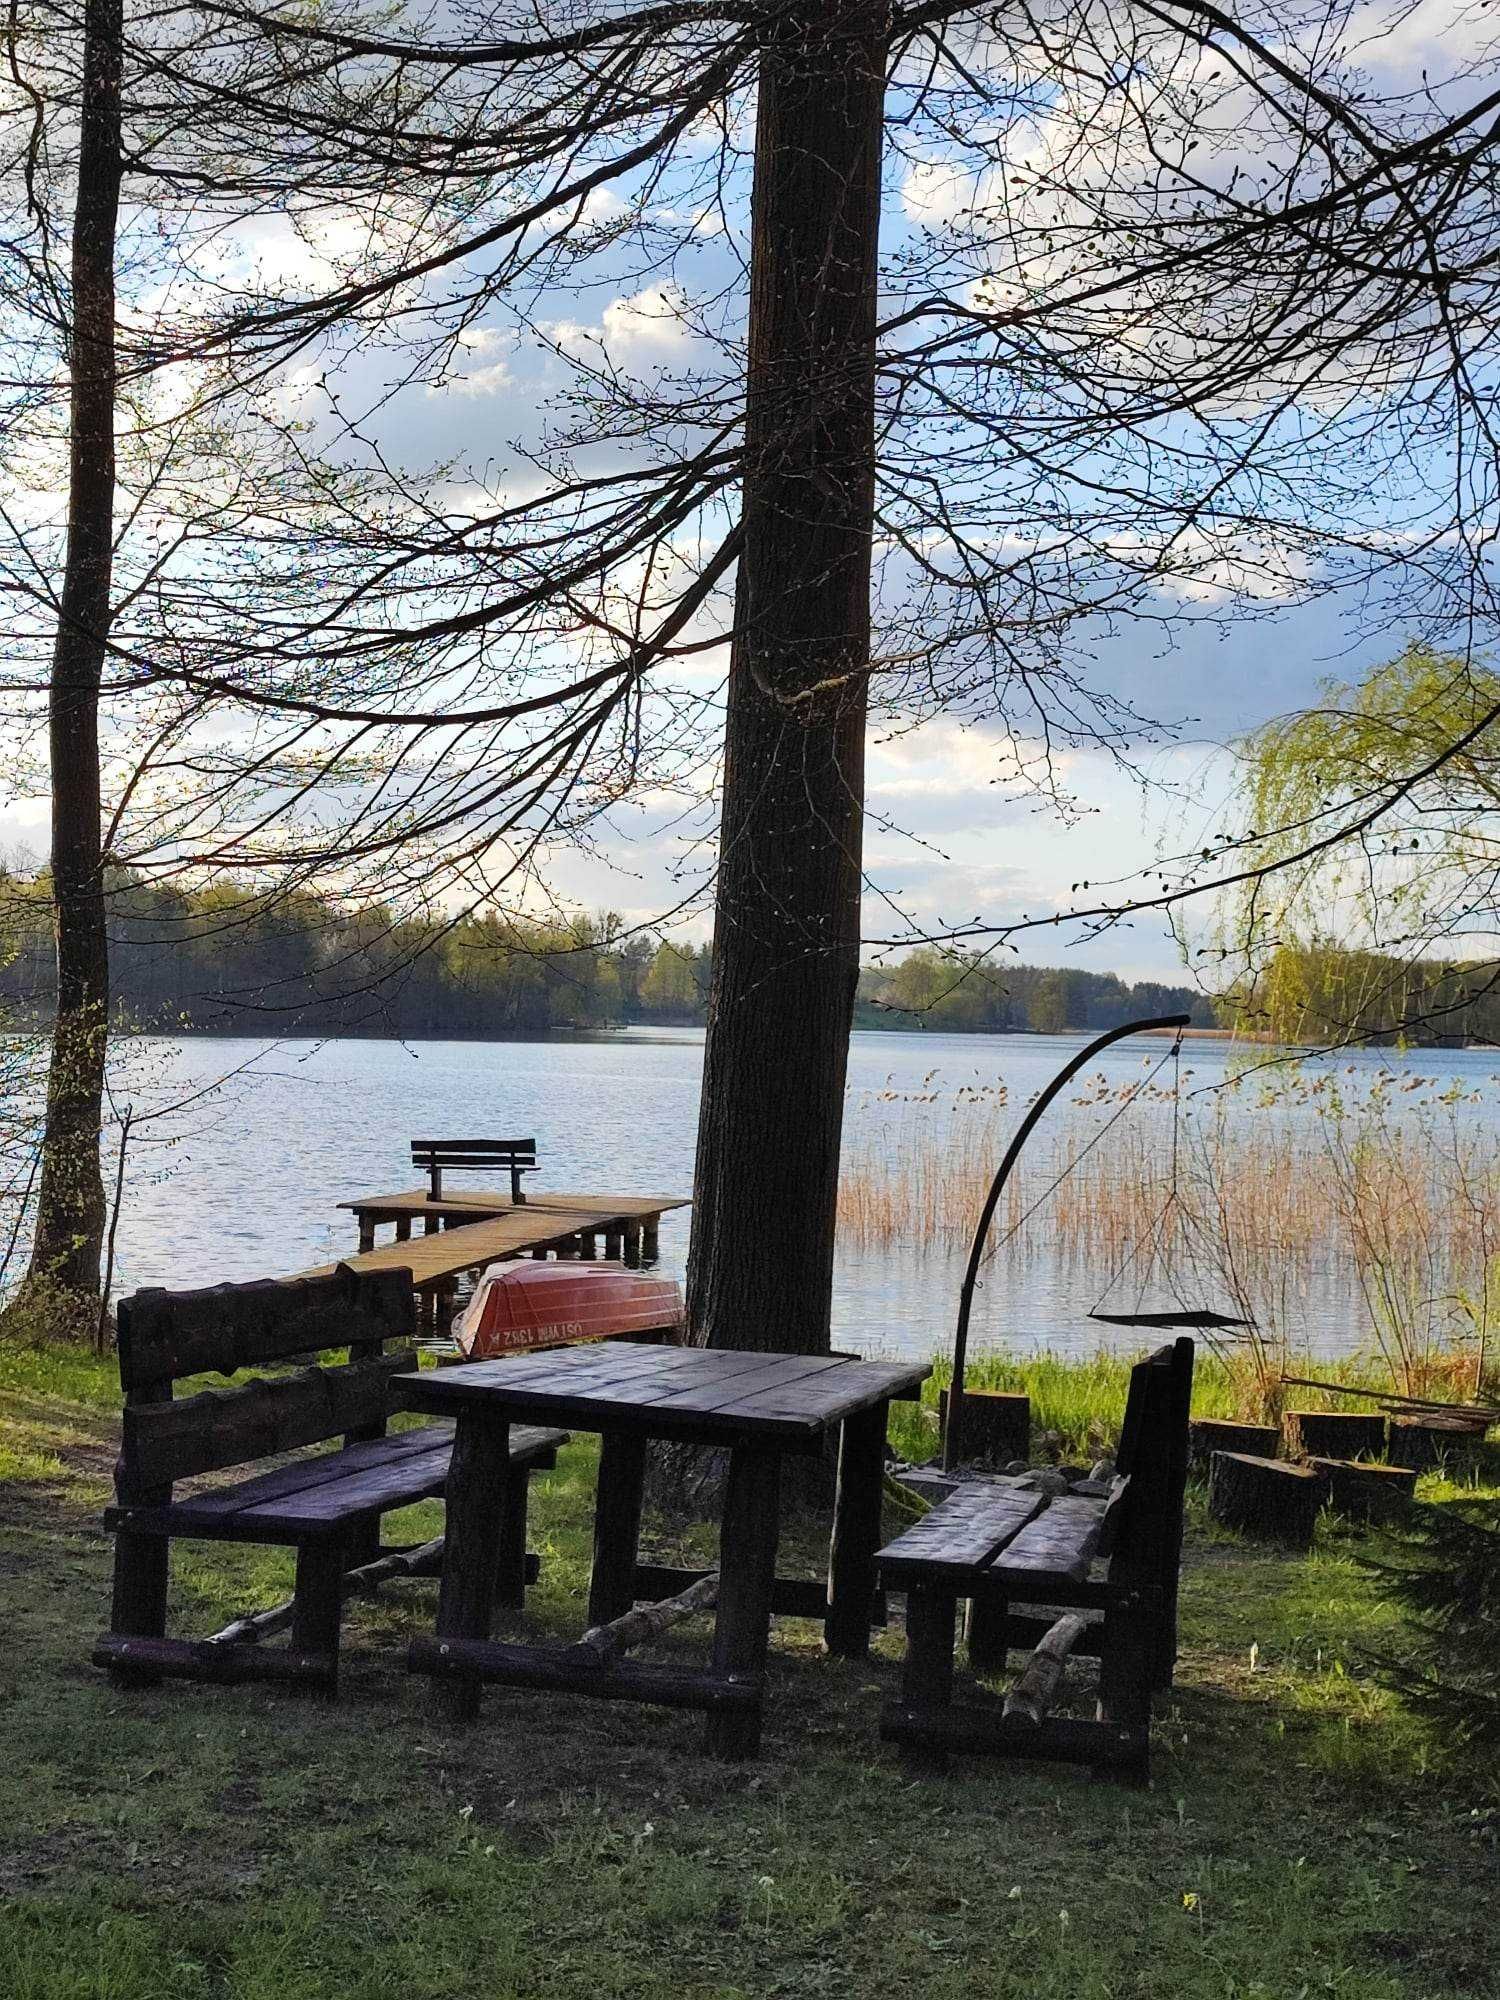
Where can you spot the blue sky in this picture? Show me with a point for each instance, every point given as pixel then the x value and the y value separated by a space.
pixel 952 839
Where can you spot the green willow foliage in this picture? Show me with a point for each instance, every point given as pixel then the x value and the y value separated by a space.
pixel 1370 837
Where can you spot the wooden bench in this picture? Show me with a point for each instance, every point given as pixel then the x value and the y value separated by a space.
pixel 1108 1565
pixel 439 1156
pixel 327 1506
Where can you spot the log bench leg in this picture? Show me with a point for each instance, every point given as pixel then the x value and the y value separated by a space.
pixel 139 1609
pixel 927 1676
pixel 986 1633
pixel 510 1580
pixel 477 1476
pixel 747 1571
pixel 1128 1666
pixel 362 1541
pixel 317 1602
pixel 856 1533
pixel 617 1525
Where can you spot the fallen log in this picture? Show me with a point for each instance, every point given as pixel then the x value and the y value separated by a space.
pixel 1032 1695
pixel 605 1644
pixel 423 1559
pixel 1487 1413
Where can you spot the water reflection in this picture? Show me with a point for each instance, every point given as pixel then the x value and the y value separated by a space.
pixel 251 1147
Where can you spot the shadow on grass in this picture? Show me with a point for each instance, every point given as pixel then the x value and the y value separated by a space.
pixel 187 1843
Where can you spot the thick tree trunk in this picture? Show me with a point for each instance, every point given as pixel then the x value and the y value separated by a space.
pixel 786 930
pixel 70 1208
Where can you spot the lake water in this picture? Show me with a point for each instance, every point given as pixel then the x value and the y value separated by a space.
pixel 250 1147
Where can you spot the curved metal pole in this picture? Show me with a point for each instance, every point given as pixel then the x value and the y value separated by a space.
pixel 953 1429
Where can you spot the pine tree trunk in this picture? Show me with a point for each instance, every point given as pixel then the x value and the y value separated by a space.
pixel 70 1206
pixel 786 930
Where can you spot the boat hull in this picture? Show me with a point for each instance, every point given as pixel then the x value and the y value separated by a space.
pixel 518 1306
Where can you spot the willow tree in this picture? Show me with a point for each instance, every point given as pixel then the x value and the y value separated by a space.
pixel 1010 327
pixel 1372 855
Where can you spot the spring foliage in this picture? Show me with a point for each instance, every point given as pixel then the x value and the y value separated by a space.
pixel 1369 827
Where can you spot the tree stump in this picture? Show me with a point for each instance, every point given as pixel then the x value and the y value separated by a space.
pixel 996 1424
pixel 1334 1434
pixel 1420 1443
pixel 1364 1492
pixel 1207 1435
pixel 1268 1498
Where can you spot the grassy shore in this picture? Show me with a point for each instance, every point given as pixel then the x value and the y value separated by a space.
pixel 1305 1836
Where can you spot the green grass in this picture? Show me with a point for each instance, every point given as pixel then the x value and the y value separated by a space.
pixel 1305 1836
pixel 1083 1399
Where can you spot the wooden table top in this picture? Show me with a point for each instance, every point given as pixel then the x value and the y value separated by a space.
pixel 449 1251
pixel 492 1201
pixel 709 1394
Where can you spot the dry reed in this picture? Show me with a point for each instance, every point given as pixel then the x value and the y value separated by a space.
pixel 1388 1191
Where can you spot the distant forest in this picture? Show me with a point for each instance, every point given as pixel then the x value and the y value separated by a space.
pixel 226 961
pixel 223 961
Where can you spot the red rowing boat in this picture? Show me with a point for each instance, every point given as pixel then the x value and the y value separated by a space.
pixel 521 1305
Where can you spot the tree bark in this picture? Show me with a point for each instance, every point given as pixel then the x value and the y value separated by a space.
pixel 70 1203
pixel 786 927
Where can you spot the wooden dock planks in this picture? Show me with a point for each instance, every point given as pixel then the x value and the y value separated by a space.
pixel 492 1201
pixel 449 1252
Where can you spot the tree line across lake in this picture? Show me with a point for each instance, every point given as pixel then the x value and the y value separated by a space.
pixel 225 961
pixel 229 961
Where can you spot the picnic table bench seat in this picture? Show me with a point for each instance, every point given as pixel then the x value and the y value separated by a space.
pixel 1107 1562
pixel 327 1505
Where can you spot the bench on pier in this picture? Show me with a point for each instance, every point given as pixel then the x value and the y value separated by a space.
pixel 439 1156
pixel 1089 1574
pixel 327 1505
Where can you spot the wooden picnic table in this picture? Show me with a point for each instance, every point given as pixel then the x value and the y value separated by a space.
pixel 629 1222
pixel 762 1407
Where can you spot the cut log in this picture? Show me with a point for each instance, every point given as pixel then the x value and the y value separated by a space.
pixel 996 1425
pixel 1423 1443
pixel 1366 1492
pixel 196 1659
pixel 605 1643
pixel 1265 1497
pixel 1339 1434
pixel 560 1670
pixel 424 1559
pixel 1207 1435
pixel 1033 1694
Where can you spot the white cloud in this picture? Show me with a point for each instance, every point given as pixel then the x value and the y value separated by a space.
pixel 492 373
pixel 649 321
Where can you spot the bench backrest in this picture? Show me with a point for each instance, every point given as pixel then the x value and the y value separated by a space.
pixel 1145 1529
pixel 164 1336
pixel 437 1156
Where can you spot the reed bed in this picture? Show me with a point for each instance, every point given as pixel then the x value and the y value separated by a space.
pixel 1238 1198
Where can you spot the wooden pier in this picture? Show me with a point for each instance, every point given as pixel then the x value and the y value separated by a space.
pixel 465 1232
